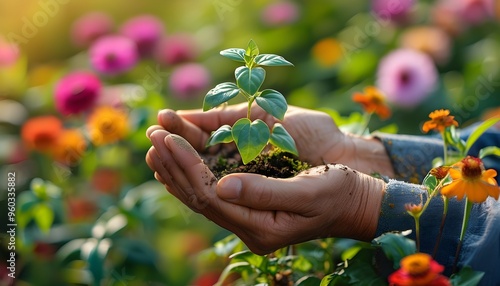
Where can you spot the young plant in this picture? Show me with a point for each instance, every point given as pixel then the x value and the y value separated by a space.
pixel 251 136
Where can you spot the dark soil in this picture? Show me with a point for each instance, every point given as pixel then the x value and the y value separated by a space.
pixel 275 163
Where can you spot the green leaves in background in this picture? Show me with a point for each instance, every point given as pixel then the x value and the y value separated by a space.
pixel 479 131
pixel 250 138
pixel 220 94
pixel 250 80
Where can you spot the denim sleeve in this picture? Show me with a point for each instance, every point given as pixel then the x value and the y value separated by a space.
pixel 481 245
pixel 411 156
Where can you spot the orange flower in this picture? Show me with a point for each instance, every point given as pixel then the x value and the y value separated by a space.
pixel 107 125
pixel 440 119
pixel 327 52
pixel 71 146
pixel 373 100
pixel 471 180
pixel 41 133
pixel 419 269
pixel 440 172
pixel 414 209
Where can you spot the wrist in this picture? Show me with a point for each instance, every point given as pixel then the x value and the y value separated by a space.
pixel 368 155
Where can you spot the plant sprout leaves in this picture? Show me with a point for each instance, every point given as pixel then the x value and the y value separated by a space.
pixel 234 54
pixel 220 94
pixel 282 139
pixel 221 135
pixel 273 102
pixel 395 246
pixel 43 216
pixel 250 80
pixel 250 138
pixel 271 60
pixel 252 49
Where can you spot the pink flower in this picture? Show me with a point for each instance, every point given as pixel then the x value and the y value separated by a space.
pixel 145 30
pixel 393 10
pixel 89 27
pixel 280 13
pixel 407 77
pixel 113 54
pixel 9 53
pixel 472 12
pixel 77 92
pixel 175 49
pixel 189 80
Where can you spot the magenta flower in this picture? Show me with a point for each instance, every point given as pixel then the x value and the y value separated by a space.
pixel 396 11
pixel 145 30
pixel 113 54
pixel 189 80
pixel 472 12
pixel 9 53
pixel 89 27
pixel 77 92
pixel 175 49
pixel 280 13
pixel 407 77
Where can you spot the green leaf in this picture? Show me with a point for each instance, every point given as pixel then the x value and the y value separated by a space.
pixel 271 60
pixel 43 216
pixel 395 246
pixel 479 131
pixel 273 102
pixel 282 139
pixel 430 182
pixel 250 80
pixel 227 245
pixel 220 94
pixel 38 188
pixel 466 277
pixel 302 264
pixel 246 255
pixel 221 135
pixel 252 49
pixel 488 151
pixel 250 138
pixel 231 268
pixel 234 54
pixel 308 281
pixel 96 259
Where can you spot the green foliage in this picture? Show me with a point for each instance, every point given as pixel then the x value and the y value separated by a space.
pixel 251 137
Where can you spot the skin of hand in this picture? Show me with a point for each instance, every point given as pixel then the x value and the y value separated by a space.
pixel 268 213
pixel 317 137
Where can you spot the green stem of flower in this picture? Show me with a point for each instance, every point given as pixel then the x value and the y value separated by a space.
pixel 417 231
pixel 465 222
pixel 366 120
pixel 250 102
pixel 440 234
pixel 445 149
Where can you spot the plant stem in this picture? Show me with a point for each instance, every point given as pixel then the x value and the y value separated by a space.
pixel 417 234
pixel 465 222
pixel 445 149
pixel 440 234
pixel 366 120
pixel 249 109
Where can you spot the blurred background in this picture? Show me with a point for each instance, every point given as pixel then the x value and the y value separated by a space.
pixel 80 82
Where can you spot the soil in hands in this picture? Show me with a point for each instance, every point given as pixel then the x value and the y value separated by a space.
pixel 275 163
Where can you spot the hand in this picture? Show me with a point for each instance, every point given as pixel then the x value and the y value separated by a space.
pixel 316 135
pixel 268 213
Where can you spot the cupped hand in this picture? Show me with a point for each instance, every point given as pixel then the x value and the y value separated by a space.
pixel 316 135
pixel 268 213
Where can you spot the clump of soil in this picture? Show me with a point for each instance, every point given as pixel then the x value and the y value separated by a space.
pixel 275 163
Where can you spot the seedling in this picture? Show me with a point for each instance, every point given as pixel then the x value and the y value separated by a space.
pixel 251 136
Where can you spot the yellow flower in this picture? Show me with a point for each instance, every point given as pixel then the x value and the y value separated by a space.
pixel 373 100
pixel 107 125
pixel 327 52
pixel 440 119
pixel 471 180
pixel 70 147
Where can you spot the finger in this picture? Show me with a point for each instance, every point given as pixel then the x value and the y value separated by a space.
pixel 265 193
pixel 167 162
pixel 152 129
pixel 174 123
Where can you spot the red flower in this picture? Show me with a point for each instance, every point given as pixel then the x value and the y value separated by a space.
pixel 419 269
pixel 41 133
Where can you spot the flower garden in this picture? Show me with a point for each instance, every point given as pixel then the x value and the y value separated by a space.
pixel 80 83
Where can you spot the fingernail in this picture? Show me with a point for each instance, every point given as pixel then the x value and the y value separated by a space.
pixel 229 188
